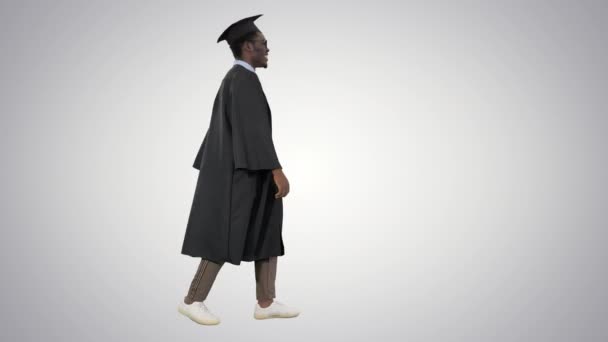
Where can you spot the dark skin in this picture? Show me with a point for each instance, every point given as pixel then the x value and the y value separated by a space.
pixel 256 54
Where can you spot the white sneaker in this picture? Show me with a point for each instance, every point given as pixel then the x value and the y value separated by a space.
pixel 198 312
pixel 275 310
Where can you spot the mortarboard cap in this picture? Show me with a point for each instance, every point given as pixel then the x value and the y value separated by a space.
pixel 239 29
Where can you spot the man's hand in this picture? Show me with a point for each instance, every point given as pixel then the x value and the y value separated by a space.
pixel 281 182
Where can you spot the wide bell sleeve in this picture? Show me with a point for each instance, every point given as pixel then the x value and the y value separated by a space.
pixel 253 148
pixel 199 155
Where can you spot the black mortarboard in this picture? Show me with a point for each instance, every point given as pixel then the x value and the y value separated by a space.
pixel 239 29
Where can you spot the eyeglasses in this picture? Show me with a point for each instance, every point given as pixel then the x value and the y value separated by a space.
pixel 265 42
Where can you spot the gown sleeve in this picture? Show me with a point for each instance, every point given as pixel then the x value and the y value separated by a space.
pixel 199 155
pixel 252 144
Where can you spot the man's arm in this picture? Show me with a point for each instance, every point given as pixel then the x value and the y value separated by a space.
pixel 253 147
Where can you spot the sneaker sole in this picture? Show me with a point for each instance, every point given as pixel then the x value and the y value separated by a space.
pixel 256 316
pixel 202 322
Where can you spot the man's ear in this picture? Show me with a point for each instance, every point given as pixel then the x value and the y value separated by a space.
pixel 247 45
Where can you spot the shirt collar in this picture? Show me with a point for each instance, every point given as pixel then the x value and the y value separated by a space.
pixel 245 64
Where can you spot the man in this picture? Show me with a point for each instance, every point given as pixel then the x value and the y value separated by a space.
pixel 237 210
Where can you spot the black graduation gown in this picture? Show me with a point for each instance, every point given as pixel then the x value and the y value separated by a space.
pixel 234 216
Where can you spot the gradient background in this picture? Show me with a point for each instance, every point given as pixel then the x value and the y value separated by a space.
pixel 447 164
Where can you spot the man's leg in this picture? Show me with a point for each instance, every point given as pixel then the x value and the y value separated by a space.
pixel 202 282
pixel 265 276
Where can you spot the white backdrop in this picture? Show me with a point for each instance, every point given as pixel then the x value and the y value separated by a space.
pixel 447 165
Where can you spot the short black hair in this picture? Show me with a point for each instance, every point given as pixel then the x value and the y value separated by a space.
pixel 237 44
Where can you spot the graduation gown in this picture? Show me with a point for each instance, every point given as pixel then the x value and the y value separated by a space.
pixel 234 216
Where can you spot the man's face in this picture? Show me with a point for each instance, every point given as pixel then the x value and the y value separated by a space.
pixel 259 51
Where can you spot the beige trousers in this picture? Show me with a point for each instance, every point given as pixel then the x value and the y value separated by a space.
pixel 265 277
